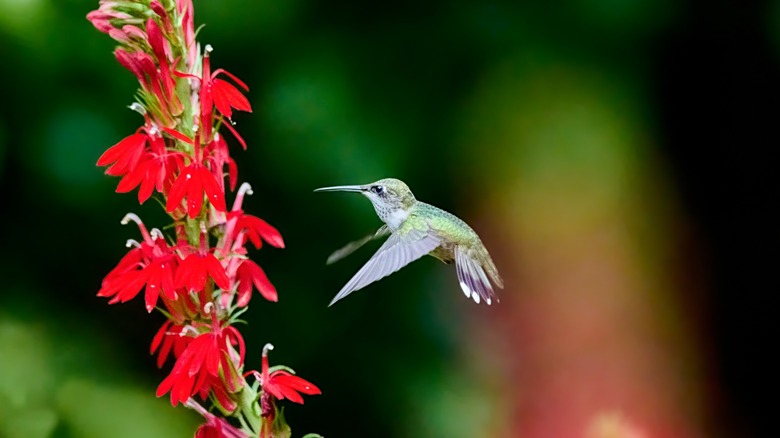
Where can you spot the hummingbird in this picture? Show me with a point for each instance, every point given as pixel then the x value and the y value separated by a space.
pixel 417 229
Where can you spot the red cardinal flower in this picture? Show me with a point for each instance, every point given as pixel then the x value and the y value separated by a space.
pixel 278 385
pixel 215 427
pixel 214 387
pixel 255 229
pixel 106 15
pixel 282 384
pixel 162 50
pixel 151 263
pixel 208 355
pixel 249 273
pixel 169 338
pixel 203 282
pixel 240 226
pixel 153 84
pixel 218 157
pixel 223 95
pixel 196 268
pixel 184 9
pixel 193 181
pixel 154 171
pixel 123 157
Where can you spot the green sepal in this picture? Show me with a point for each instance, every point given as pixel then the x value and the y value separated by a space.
pixel 164 312
pixel 234 317
pixel 279 428
pixel 280 367
pixel 225 412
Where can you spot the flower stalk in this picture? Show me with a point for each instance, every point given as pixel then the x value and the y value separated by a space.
pixel 199 275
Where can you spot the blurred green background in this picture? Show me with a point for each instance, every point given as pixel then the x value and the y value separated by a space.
pixel 613 155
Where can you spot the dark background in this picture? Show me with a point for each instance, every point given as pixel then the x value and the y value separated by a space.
pixel 665 109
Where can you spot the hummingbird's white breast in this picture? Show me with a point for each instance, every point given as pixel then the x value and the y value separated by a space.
pixel 393 217
pixel 396 218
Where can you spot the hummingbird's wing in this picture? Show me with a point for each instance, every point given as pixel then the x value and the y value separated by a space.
pixel 353 246
pixel 398 251
pixel 472 278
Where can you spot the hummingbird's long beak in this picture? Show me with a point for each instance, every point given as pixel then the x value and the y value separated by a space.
pixel 341 189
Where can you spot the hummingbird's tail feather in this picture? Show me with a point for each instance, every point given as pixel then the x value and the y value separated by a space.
pixel 472 278
pixel 491 269
pixel 353 246
pixel 397 251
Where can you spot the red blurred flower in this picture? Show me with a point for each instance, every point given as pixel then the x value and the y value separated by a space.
pixel 215 427
pixel 159 9
pixel 213 386
pixel 103 17
pixel 208 355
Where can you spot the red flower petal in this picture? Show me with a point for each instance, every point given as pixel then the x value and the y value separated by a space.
pixel 131 63
pixel 194 191
pixel 296 383
pixel 217 272
pixel 214 192
pixel 132 179
pixel 178 190
pixel 158 337
pixel 124 155
pixel 227 96
pixel 249 273
pixel 257 228
pixel 235 134
pixel 178 135
pixel 290 394
pixel 147 185
pixel 231 76
pixel 150 296
pixel 232 173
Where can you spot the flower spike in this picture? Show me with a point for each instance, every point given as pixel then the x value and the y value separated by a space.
pixel 195 272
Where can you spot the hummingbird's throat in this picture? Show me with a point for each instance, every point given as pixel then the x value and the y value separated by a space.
pixel 393 218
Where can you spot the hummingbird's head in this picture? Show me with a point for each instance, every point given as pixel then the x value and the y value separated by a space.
pixel 391 198
pixel 389 193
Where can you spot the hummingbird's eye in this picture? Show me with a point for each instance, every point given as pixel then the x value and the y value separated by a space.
pixel 379 190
